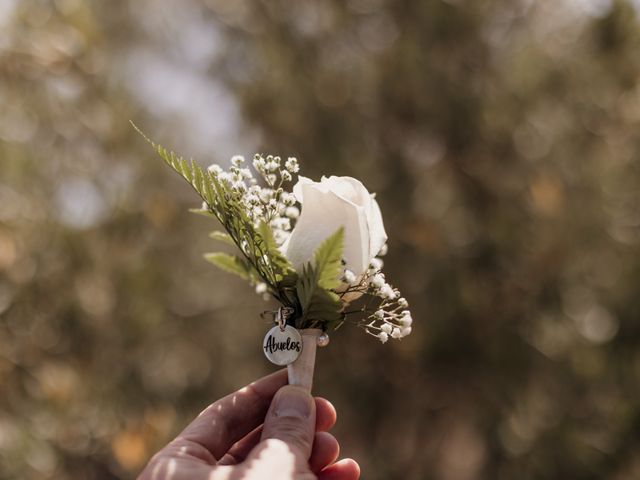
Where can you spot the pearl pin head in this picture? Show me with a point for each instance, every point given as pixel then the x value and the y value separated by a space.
pixel 323 340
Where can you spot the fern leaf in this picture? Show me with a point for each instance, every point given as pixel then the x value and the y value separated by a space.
pixel 314 286
pixel 268 244
pixel 328 259
pixel 230 263
pixel 222 237
pixel 202 211
pixel 305 286
pixel 198 180
pixel 190 171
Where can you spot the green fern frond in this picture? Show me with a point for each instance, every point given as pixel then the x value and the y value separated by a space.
pixel 231 264
pixel 314 286
pixel 279 263
pixel 328 260
pixel 260 258
pixel 222 237
pixel 189 170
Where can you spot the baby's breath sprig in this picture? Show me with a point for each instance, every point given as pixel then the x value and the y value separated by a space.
pixel 389 316
pixel 268 203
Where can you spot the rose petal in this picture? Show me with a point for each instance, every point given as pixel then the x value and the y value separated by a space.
pixel 350 189
pixel 377 235
pixel 297 188
pixel 322 215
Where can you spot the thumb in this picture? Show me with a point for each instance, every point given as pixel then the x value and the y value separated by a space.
pixel 292 419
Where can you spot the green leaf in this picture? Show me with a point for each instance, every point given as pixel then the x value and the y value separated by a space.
pixel 222 237
pixel 306 286
pixel 262 261
pixel 230 263
pixel 281 265
pixel 289 280
pixel 198 179
pixel 325 306
pixel 202 211
pixel 190 171
pixel 328 260
pixel 314 286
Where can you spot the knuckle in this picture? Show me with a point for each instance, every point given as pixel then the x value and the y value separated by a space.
pixel 276 445
pixel 292 431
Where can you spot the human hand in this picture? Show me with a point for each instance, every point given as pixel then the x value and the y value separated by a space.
pixel 266 430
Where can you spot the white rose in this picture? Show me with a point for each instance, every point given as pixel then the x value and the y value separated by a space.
pixel 327 205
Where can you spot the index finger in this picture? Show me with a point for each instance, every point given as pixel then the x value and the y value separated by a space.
pixel 229 419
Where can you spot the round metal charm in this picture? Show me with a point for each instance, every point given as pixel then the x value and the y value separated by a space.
pixel 282 346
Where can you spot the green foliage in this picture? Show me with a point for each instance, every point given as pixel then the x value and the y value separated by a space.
pixel 222 237
pixel 328 260
pixel 278 263
pixel 257 246
pixel 231 264
pixel 262 260
pixel 317 301
pixel 202 211
pixel 202 181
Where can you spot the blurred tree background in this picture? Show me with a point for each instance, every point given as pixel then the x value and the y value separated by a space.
pixel 501 138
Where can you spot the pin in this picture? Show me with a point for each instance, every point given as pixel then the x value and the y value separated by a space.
pixel 323 340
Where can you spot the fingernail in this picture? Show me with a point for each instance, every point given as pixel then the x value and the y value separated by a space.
pixel 293 402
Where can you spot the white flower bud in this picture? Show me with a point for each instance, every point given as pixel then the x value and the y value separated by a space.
pixel 386 328
pixel 387 292
pixel 405 331
pixel 376 264
pixel 224 176
pixel 383 337
pixel 327 205
pixel 379 314
pixel 292 165
pixel 406 319
pixel 236 160
pixel 402 302
pixel 215 169
pixel 378 280
pixel 349 277
pixel 288 199
pixel 396 333
pixel 265 195
pixel 292 212
pixel 259 163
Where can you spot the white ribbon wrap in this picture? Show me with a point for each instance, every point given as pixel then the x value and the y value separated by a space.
pixel 301 371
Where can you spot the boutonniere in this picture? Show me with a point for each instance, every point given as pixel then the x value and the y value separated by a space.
pixel 315 247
